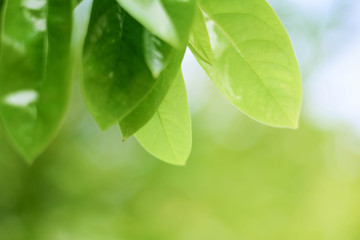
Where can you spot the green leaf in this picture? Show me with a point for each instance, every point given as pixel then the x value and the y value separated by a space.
pixel 167 135
pixel 116 77
pixel 199 41
pixel 2 7
pixel 167 19
pixel 145 111
pixel 35 71
pixel 255 67
pixel 2 11
pixel 81 15
pixel 157 53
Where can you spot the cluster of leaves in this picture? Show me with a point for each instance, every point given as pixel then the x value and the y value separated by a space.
pixel 130 53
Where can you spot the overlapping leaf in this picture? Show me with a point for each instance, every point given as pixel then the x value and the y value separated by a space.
pixel 157 53
pixel 81 15
pixel 167 135
pixel 199 41
pixel 132 55
pixel 164 62
pixel 116 77
pixel 254 63
pixel 144 112
pixel 34 71
pixel 167 19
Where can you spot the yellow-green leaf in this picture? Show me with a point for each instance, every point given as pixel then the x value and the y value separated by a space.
pixel 167 135
pixel 199 41
pixel 254 66
pixel 144 111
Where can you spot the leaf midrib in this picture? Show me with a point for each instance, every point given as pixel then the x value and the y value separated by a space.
pixel 166 135
pixel 248 63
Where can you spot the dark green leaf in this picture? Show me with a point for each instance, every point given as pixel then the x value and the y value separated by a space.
pixel 167 135
pixel 167 19
pixel 145 111
pixel 116 77
pixel 34 71
pixel 254 63
pixel 2 11
pixel 1 15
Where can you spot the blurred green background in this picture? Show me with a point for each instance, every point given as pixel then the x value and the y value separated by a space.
pixel 243 180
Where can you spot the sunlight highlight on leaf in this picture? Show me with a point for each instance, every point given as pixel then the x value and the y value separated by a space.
pixel 35 71
pixel 255 66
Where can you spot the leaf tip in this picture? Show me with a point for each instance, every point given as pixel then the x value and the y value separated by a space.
pixel 124 138
pixel 29 157
pixel 155 72
pixel 125 134
pixel 103 125
pixel 28 160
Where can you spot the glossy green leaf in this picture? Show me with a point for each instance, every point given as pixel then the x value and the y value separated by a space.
pixel 255 66
pixel 1 16
pixel 145 111
pixel 199 41
pixel 35 71
pixel 2 12
pixel 81 15
pixel 157 53
pixel 167 19
pixel 116 77
pixel 167 135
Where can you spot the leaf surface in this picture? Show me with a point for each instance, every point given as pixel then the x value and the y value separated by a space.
pixel 35 71
pixel 116 77
pixel 167 19
pixel 2 7
pixel 144 112
pixel 199 41
pixel 255 67
pixel 157 53
pixel 167 135
pixel 81 15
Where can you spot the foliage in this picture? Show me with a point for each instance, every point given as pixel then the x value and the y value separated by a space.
pixel 129 53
